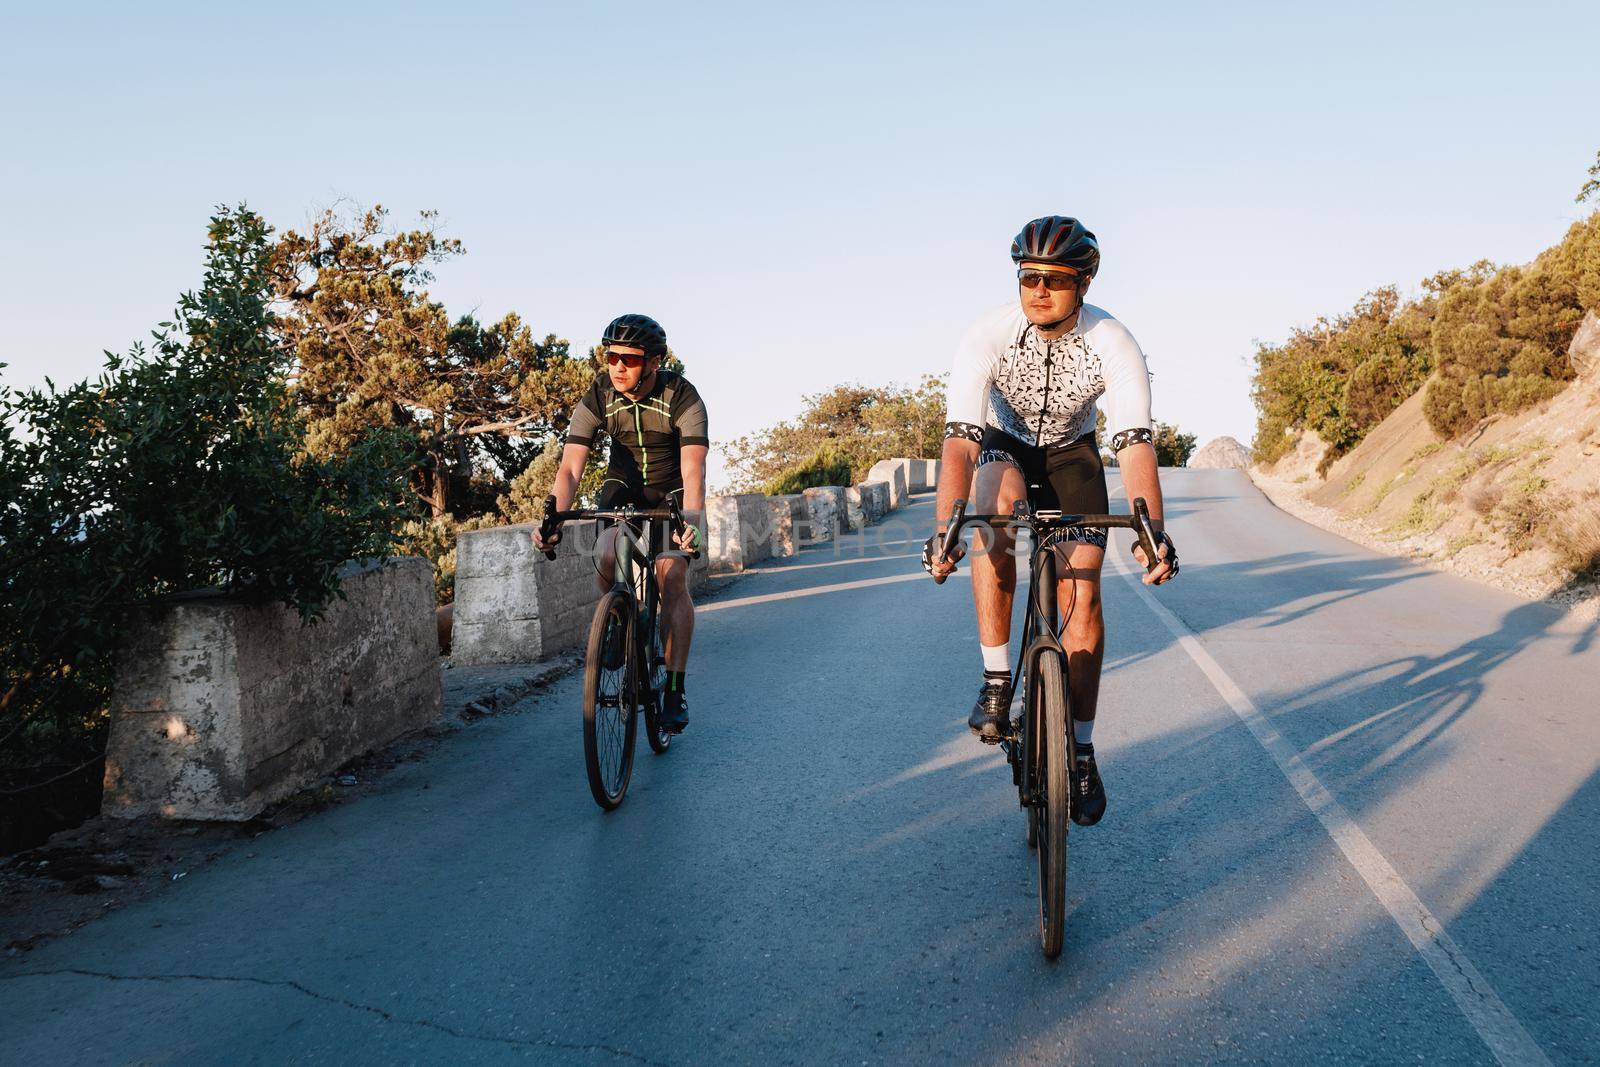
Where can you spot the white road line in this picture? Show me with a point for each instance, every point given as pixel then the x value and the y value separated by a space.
pixel 1483 1008
pixel 816 590
pixel 813 590
pixel 785 568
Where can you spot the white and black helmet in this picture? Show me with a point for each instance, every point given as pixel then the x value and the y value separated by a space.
pixel 1059 240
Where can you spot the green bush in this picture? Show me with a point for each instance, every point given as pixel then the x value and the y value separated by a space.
pixel 1173 448
pixel 854 424
pixel 1482 341
pixel 1501 340
pixel 177 469
pixel 1340 377
pixel 828 465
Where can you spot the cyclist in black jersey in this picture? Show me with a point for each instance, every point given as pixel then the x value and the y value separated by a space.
pixel 656 423
pixel 1027 381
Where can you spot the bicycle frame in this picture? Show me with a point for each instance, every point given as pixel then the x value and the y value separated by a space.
pixel 627 576
pixel 1040 631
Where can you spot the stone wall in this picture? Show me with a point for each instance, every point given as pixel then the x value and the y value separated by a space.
pixel 514 606
pixel 791 523
pixel 893 471
pixel 922 475
pixel 739 531
pixel 221 708
pixel 866 504
pixel 826 507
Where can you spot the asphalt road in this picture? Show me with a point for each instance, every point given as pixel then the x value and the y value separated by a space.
pixel 828 869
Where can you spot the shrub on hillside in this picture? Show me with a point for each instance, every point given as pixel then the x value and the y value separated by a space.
pixel 828 465
pixel 1501 341
pixel 1483 340
pixel 1341 376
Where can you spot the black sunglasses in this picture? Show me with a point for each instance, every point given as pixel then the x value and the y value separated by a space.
pixel 1052 280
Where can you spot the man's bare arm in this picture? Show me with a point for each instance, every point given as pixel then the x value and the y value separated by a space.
pixel 956 464
pixel 1141 479
pixel 570 472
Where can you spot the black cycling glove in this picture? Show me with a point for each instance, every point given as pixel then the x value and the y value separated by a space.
pixel 933 546
pixel 1171 558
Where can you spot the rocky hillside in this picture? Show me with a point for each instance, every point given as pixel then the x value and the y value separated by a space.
pixel 1514 502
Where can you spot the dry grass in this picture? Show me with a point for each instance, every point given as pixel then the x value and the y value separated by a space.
pixel 1484 497
pixel 1574 537
pixel 1528 516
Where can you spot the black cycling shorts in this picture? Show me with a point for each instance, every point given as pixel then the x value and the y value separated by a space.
pixel 1068 478
pixel 615 493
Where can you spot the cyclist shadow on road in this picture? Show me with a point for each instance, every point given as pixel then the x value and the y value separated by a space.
pixel 1257 906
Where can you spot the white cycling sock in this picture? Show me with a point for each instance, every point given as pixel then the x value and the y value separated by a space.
pixel 1083 731
pixel 997 658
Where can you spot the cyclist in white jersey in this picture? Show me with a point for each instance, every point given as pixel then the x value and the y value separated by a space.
pixel 1020 424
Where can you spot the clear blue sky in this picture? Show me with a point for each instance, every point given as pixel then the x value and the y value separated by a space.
pixel 802 195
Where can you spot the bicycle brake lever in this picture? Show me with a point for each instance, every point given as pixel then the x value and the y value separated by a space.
pixel 547 525
pixel 952 534
pixel 1147 535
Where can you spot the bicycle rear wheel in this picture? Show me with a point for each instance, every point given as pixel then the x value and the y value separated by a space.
pixel 1050 754
pixel 610 720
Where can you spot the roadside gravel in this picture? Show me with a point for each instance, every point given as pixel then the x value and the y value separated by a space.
pixel 1427 549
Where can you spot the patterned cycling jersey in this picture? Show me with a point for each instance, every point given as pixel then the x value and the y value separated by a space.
pixel 1043 392
pixel 646 434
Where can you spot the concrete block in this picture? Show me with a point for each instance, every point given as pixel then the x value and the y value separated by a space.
pixel 791 523
pixel 894 472
pixel 739 531
pixel 221 708
pixel 922 475
pixel 866 503
pixel 826 505
pixel 515 606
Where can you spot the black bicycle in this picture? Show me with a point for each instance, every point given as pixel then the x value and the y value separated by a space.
pixel 1039 746
pixel 624 669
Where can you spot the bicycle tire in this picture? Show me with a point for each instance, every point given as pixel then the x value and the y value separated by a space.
pixel 660 737
pixel 1051 748
pixel 1025 789
pixel 610 704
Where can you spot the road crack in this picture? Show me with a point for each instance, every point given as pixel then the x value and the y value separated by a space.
pixel 352 1005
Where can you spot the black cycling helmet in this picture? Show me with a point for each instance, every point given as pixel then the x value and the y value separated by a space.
pixel 637 331
pixel 1059 240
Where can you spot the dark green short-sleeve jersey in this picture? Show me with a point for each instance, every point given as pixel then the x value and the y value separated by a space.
pixel 647 433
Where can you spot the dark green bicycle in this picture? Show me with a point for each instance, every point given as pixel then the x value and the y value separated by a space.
pixel 624 668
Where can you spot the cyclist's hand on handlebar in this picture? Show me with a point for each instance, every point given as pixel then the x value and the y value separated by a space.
pixel 546 543
pixel 687 538
pixel 1166 567
pixel 931 561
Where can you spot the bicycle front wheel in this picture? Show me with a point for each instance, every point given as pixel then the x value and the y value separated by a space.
pixel 610 689
pixel 1050 754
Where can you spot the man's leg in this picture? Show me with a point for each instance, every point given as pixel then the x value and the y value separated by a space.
pixel 606 553
pixel 677 610
pixel 677 632
pixel 1084 640
pixel 996 486
pixel 1084 636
